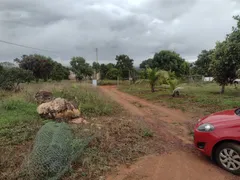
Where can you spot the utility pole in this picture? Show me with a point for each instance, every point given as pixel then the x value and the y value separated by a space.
pixel 96 73
pixel 97 55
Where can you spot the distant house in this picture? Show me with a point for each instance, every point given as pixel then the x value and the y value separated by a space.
pixel 207 79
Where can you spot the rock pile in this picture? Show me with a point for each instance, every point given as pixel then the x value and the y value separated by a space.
pixel 58 109
pixel 43 97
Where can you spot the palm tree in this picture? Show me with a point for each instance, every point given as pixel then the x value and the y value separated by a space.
pixel 160 77
pixel 153 77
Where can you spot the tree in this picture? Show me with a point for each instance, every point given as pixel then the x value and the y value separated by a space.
pixel 40 66
pixel 203 62
pixel 184 68
pixel 238 73
pixel 153 77
pixel 172 81
pixel 225 62
pixel 112 74
pixel 124 65
pixel 10 78
pixel 143 74
pixel 170 61
pixel 147 63
pixel 81 68
pixel 59 72
pixel 96 66
pixel 226 58
pixel 110 66
pixel 103 71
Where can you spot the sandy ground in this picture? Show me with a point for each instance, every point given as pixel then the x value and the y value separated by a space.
pixel 181 161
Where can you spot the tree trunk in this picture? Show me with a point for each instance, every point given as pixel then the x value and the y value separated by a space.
pixel 152 88
pixel 223 89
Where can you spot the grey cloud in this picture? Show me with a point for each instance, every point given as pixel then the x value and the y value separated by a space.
pixel 167 10
pixel 28 14
pixel 137 27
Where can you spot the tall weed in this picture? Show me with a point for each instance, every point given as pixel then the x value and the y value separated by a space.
pixel 89 100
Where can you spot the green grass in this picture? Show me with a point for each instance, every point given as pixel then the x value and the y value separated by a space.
pixel 119 139
pixel 18 121
pixel 194 97
pixel 13 111
pixel 90 101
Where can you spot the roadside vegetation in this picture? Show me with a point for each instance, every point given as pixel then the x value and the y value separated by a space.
pixel 168 79
pixel 115 138
pixel 195 97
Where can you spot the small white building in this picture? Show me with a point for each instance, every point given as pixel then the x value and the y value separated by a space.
pixel 207 79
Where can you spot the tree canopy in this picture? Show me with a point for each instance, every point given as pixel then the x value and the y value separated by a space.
pixel 225 62
pixel 226 57
pixel 81 68
pixel 170 61
pixel 146 63
pixel 202 65
pixel 41 66
pixel 59 72
pixel 124 65
pixel 96 66
pixel 1 68
pixel 112 73
pixel 10 78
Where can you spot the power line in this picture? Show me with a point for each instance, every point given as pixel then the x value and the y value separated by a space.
pixel 6 42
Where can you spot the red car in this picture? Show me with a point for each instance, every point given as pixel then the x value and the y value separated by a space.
pixel 218 136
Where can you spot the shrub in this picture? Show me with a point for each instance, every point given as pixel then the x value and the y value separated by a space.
pixel 11 78
pixel 107 82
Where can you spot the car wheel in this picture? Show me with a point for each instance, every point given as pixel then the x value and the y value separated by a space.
pixel 228 157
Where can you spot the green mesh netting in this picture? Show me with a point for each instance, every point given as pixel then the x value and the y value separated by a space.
pixel 53 152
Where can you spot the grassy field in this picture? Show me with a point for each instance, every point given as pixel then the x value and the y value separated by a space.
pixel 117 139
pixel 195 97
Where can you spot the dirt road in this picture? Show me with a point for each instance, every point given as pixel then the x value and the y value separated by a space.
pixel 181 162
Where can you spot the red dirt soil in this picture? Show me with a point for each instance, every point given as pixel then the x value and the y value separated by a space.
pixel 182 161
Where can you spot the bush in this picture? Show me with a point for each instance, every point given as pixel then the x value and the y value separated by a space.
pixel 11 78
pixel 107 82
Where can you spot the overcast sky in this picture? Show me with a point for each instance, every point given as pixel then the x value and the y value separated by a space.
pixel 137 28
